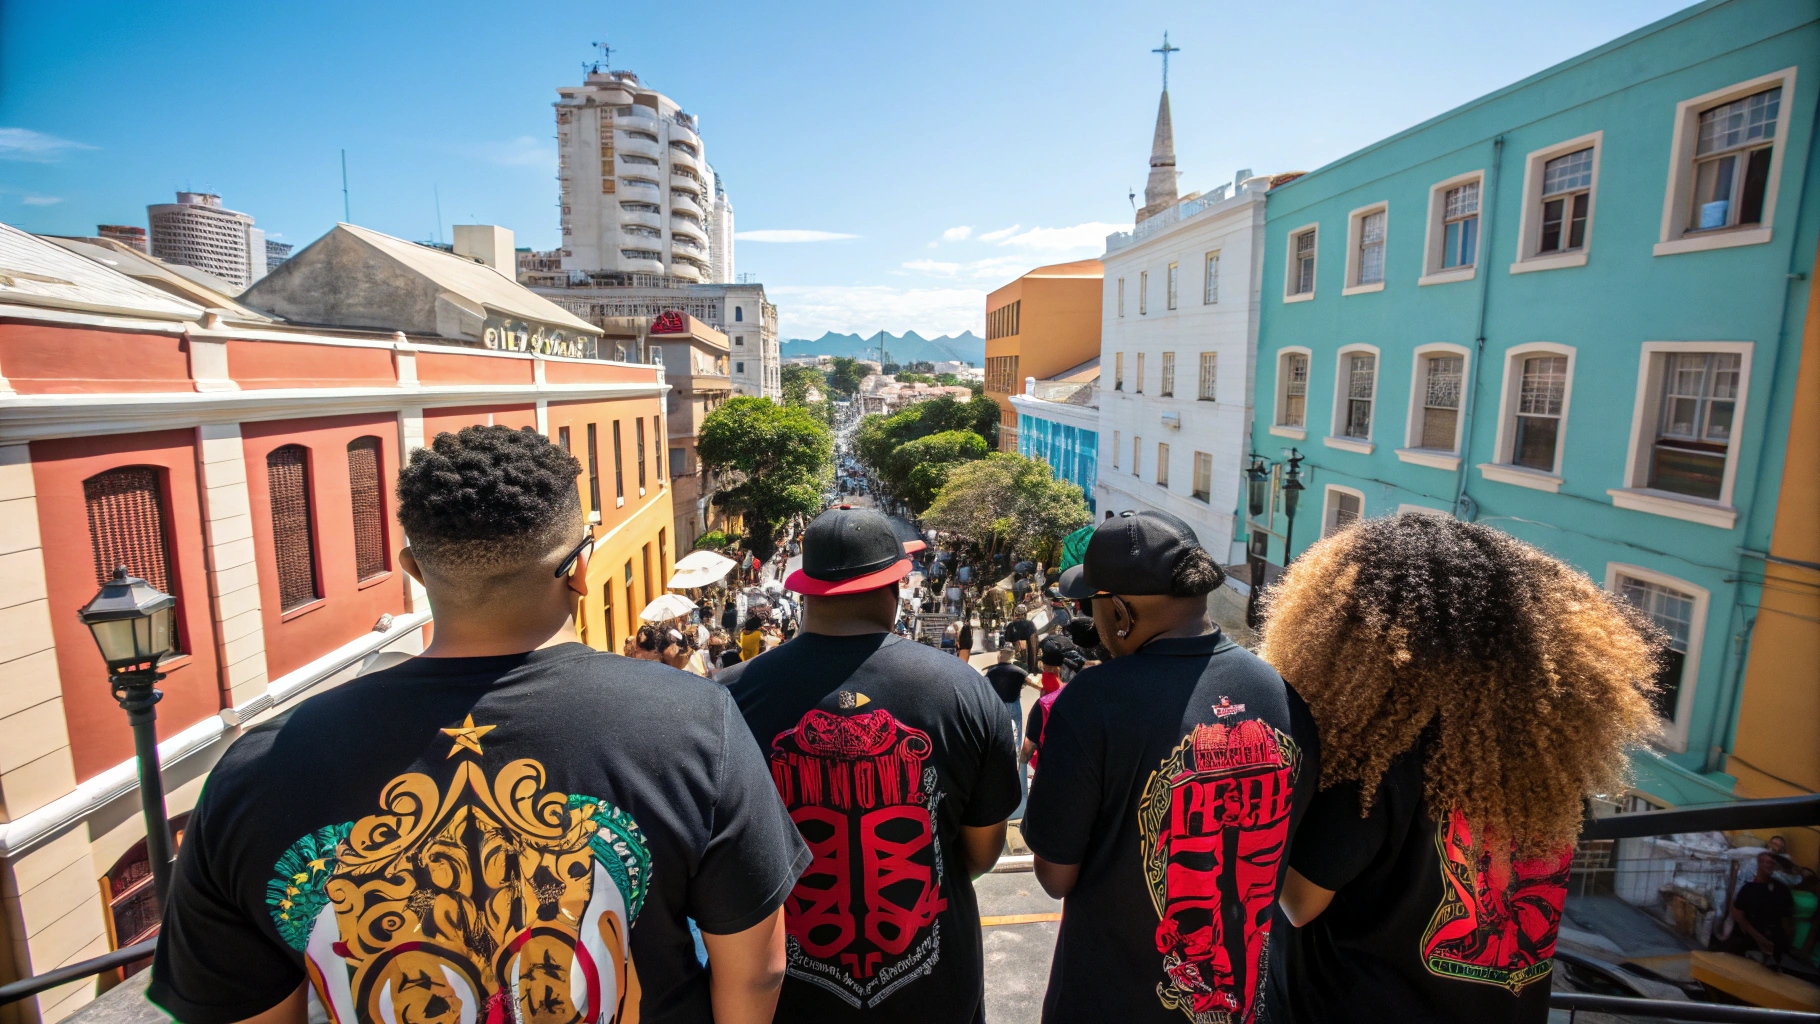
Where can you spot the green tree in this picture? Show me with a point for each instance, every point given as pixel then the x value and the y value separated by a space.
pixel 775 459
pixel 845 374
pixel 918 468
pixel 1006 502
pixel 797 380
pixel 905 377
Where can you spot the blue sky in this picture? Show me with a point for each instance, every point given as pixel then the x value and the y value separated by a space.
pixel 958 143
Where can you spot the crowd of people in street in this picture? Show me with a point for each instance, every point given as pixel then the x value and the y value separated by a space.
pixel 1370 818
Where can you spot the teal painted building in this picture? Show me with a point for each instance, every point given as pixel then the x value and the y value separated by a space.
pixel 1571 309
pixel 1071 448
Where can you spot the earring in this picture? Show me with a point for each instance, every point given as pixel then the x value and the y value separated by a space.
pixel 1124 633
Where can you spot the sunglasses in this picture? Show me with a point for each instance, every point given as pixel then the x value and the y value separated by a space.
pixel 568 564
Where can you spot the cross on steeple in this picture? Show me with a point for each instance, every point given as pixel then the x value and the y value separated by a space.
pixel 1166 50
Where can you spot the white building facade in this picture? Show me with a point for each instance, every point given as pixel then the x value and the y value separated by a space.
pixel 197 231
pixel 636 191
pixel 1178 343
pixel 720 235
pixel 740 311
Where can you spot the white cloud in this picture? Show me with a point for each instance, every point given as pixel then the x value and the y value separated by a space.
pixel 957 234
pixel 808 311
pixel 524 151
pixel 35 147
pixel 993 268
pixel 1002 233
pixel 790 235
pixel 38 200
pixel 1091 235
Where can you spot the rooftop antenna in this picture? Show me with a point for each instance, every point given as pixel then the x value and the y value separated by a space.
pixel 606 56
pixel 346 217
pixel 1166 50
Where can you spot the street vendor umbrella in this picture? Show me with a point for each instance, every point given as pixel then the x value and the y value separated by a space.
pixel 667 607
pixel 699 569
pixel 1074 548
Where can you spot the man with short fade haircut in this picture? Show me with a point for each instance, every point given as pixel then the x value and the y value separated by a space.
pixel 510 827
pixel 1172 777
pixel 897 763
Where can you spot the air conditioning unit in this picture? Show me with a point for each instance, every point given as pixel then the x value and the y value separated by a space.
pixel 1172 420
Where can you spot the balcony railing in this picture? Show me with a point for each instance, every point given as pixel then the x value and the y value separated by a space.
pixel 1165 218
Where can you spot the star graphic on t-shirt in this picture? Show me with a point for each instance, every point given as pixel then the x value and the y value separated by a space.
pixel 467 735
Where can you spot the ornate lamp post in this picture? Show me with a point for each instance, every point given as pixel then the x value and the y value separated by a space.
pixel 1292 494
pixel 133 623
pixel 1257 488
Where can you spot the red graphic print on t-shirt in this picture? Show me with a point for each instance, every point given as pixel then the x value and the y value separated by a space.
pixel 862 920
pixel 1497 921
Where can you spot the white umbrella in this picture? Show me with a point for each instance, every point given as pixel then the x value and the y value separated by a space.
pixel 667 607
pixel 700 568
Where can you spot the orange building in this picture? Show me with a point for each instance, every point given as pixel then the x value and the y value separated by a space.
pixel 247 468
pixel 1042 323
pixel 1777 749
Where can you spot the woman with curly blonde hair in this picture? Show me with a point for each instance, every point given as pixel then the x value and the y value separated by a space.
pixel 1471 692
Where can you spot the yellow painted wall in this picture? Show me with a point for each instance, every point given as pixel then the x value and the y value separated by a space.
pixel 1058 324
pixel 1777 751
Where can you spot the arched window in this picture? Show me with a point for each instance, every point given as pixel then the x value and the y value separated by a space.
pixel 368 507
pixel 293 535
pixel 739 313
pixel 132 903
pixel 126 525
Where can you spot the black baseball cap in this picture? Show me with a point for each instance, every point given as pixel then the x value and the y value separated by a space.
pixel 1131 553
pixel 849 550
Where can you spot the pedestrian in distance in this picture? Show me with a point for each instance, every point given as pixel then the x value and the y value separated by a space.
pixel 1472 693
pixel 1171 779
pixel 898 765
pixel 510 826
pixel 1008 679
pixel 1019 633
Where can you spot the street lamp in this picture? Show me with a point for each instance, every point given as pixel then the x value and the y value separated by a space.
pixel 1292 494
pixel 1259 477
pixel 133 624
pixel 1258 548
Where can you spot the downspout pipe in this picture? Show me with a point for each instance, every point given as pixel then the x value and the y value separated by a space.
pixel 1463 505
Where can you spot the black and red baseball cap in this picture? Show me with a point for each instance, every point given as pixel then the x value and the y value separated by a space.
pixel 1132 553
pixel 849 550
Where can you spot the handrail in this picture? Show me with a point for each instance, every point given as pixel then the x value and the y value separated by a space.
pixel 1669 1009
pixel 1781 812
pixel 12 992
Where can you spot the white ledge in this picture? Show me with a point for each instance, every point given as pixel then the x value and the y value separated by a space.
pixel 1521 477
pixel 1557 262
pixel 1298 297
pixel 1429 457
pixel 1349 444
pixel 1448 276
pixel 1706 240
pixel 1363 289
pixel 1674 506
pixel 1293 433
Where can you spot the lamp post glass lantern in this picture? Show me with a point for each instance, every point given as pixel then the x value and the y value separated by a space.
pixel 1292 495
pixel 133 624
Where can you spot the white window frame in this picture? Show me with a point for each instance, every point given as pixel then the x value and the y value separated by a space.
pixel 1355 225
pixel 1281 392
pixel 1165 387
pixel 1674 734
pixel 1500 468
pixel 1143 293
pixel 1210 278
pixel 1677 201
pixel 1529 224
pixel 1121 296
pixel 1434 239
pixel 1327 503
pixel 1137 376
pixel 1173 279
pixel 1162 464
pixel 1636 494
pixel 1412 451
pixel 1196 490
pixel 1342 376
pixel 1289 267
pixel 1207 385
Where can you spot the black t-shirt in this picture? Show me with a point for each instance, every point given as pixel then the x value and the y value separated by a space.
pixel 883 749
pixel 1007 680
pixel 1019 629
pixel 1418 929
pixel 478 839
pixel 1174 778
pixel 1765 904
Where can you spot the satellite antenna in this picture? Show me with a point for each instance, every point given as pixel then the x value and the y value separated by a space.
pixel 606 55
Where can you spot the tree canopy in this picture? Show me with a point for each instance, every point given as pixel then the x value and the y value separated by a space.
pixel 1006 502
pixel 774 459
pixel 845 374
pixel 919 467
pixel 797 380
pixel 881 442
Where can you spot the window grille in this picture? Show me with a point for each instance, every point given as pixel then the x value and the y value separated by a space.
pixel 1210 372
pixel 1693 435
pixel 293 536
pixel 1295 389
pixel 1460 226
pixel 368 507
pixel 1173 273
pixel 1167 389
pixel 1566 195
pixel 1210 288
pixel 1343 510
pixel 1441 402
pixel 1539 400
pixel 1371 248
pixel 1361 384
pixel 1673 612
pixel 1304 264
pixel 126 526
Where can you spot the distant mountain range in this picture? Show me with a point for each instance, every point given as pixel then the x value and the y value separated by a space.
pixel 910 347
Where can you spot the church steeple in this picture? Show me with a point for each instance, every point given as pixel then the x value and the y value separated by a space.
pixel 1159 191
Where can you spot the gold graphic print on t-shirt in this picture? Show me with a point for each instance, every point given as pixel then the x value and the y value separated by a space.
pixel 488 901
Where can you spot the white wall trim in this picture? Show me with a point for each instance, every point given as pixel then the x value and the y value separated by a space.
pixel 1278 427
pixel 1349 444
pixel 1674 506
pixel 1507 411
pixel 1429 457
pixel 1293 433
pixel 1674 735
pixel 1529 223
pixel 1677 199
pixel 1521 476
pixel 1341 382
pixel 1435 232
pixel 1289 266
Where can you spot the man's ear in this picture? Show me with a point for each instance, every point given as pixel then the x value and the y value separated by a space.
pixel 408 562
